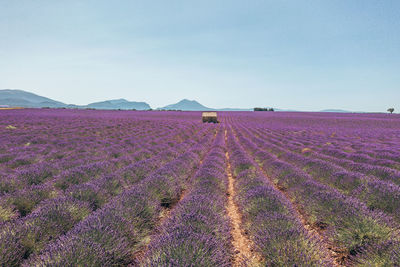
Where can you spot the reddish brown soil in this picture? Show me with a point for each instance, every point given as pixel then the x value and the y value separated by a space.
pixel 242 245
pixel 163 217
pixel 315 231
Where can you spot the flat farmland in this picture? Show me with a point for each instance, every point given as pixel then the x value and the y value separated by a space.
pixel 152 188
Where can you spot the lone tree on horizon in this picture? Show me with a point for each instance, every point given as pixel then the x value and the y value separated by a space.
pixel 390 110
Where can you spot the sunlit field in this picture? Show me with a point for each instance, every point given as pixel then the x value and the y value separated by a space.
pixel 152 188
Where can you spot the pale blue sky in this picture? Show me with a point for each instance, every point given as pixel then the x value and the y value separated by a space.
pixel 304 55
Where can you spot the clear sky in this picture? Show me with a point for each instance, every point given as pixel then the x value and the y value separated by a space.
pixel 304 55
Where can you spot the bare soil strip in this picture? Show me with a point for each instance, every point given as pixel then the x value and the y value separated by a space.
pixel 163 217
pixel 313 231
pixel 243 246
pixel 332 256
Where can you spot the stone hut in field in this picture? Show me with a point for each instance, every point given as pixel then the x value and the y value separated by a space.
pixel 209 117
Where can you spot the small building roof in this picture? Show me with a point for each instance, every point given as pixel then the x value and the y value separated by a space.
pixel 209 114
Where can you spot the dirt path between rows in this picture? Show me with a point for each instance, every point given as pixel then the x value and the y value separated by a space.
pixel 165 214
pixel 243 246
pixel 334 258
pixel 162 218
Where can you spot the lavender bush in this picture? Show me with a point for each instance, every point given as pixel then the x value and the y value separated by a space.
pixel 149 188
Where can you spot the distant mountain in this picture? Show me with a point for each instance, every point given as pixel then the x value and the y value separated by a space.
pixel 119 104
pixel 20 98
pixel 187 105
pixel 193 105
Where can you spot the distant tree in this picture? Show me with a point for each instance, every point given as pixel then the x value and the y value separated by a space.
pixel 390 110
pixel 271 109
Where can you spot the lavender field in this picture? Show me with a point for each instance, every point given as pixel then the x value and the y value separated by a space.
pixel 141 188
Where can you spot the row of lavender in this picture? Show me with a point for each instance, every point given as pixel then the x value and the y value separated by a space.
pixel 21 202
pixel 90 189
pixel 357 149
pixel 197 232
pixel 26 185
pixel 43 144
pixel 113 234
pixel 30 234
pixel 373 136
pixel 114 175
pixel 378 192
pixel 270 218
pixel 355 228
pixel 357 161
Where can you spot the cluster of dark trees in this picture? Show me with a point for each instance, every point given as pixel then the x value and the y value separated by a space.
pixel 263 109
